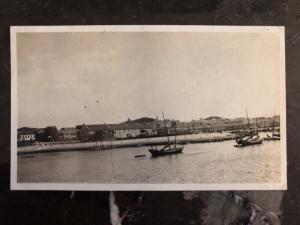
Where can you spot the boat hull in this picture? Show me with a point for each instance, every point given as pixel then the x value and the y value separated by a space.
pixel 157 153
pixel 252 140
pixel 272 138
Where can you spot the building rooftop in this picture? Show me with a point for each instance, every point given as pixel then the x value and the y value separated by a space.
pixel 119 126
pixel 98 127
pixel 134 125
pixel 69 128
pixel 25 132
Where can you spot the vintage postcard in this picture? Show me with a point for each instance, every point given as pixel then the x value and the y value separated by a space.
pixel 148 108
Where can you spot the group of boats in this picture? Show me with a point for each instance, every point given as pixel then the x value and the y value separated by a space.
pixel 250 137
pixel 253 138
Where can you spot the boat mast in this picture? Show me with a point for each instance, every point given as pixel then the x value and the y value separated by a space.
pixel 248 121
pixel 174 124
pixel 273 126
pixel 165 126
pixel 256 124
pixel 265 124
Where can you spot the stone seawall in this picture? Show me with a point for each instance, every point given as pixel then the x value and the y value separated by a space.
pixel 103 145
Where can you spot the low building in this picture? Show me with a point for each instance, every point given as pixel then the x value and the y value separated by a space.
pixel 25 134
pixel 51 134
pixel 115 131
pixel 120 131
pixel 69 134
pixel 83 132
pixel 100 132
pixel 39 134
pixel 131 130
pixel 94 132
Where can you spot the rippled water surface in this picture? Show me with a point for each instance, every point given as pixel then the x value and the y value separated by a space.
pixel 218 162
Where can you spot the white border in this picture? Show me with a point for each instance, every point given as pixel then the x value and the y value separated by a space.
pixel 147 187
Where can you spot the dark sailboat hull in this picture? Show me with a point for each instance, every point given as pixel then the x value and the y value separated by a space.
pixel 157 153
pixel 252 143
pixel 248 141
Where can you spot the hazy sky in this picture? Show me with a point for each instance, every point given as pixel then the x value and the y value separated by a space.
pixel 188 75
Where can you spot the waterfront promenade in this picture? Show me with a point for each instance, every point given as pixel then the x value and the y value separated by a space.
pixel 103 145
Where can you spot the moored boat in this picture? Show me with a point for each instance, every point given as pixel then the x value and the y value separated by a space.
pixel 250 138
pixel 166 150
pixel 275 135
pixel 169 148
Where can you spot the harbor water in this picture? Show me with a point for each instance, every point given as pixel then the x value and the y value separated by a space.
pixel 218 162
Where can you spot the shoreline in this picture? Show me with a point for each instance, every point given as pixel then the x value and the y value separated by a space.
pixel 108 145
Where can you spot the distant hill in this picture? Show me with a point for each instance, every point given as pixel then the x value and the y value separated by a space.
pixel 144 120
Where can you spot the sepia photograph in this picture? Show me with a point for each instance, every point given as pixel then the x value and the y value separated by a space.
pixel 148 108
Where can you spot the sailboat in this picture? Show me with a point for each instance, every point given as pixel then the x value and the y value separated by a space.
pixel 169 148
pixel 275 135
pixel 251 138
